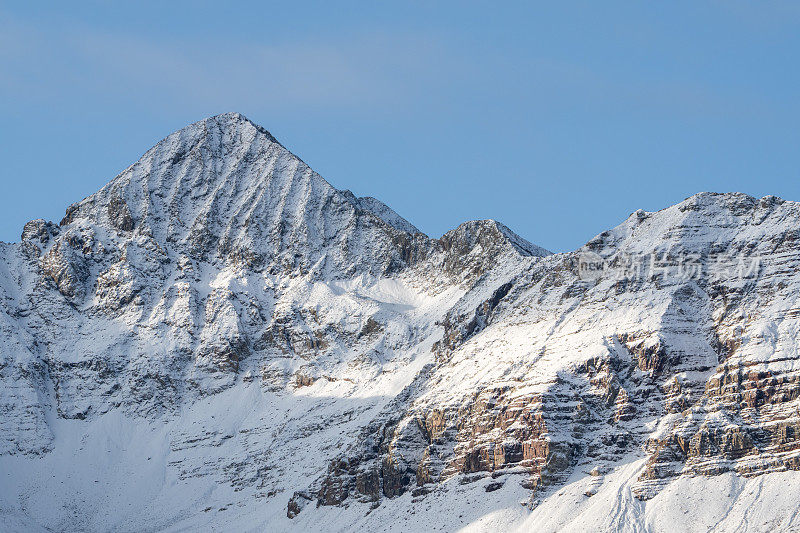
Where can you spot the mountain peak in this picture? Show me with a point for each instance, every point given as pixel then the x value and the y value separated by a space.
pixel 233 120
pixel 699 222
pixel 490 233
pixel 223 187
pixel 230 115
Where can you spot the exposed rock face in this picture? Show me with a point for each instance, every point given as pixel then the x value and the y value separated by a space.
pixel 240 337
pixel 553 373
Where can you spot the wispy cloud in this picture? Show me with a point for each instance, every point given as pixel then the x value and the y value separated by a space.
pixel 364 73
pixel 359 72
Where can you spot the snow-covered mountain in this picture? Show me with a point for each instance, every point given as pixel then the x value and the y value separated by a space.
pixel 220 339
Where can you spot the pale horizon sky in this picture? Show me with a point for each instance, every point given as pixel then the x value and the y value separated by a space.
pixel 558 120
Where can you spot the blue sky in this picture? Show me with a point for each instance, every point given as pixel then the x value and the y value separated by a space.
pixel 558 119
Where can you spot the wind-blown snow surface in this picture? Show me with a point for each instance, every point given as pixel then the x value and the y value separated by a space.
pixel 219 339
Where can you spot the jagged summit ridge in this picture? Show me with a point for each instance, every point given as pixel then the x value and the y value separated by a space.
pixel 700 219
pixel 224 189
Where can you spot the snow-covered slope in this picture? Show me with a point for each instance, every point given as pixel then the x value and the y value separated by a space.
pixel 220 339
